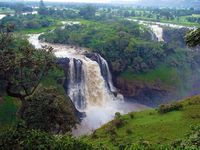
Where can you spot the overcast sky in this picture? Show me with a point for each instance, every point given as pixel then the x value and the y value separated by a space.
pixel 87 1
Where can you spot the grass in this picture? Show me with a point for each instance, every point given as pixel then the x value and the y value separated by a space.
pixel 151 126
pixel 162 74
pixel 40 30
pixel 8 110
pixel 6 11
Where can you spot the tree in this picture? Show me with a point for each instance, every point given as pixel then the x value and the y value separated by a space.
pixel 41 4
pixel 193 38
pixel 42 9
pixel 49 111
pixel 88 12
pixel 22 67
pixel 19 137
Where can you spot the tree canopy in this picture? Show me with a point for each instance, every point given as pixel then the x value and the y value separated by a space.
pixel 22 67
pixel 49 111
pixel 193 38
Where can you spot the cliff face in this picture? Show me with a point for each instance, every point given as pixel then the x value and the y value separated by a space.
pixel 133 88
pixel 152 94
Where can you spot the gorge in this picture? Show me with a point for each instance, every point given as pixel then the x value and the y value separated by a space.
pixel 89 86
pixel 89 82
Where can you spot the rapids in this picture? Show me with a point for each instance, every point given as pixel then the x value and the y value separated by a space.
pixel 157 27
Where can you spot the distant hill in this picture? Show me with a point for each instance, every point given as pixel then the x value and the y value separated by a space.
pixel 170 3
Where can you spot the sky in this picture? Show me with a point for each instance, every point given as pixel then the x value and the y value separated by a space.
pixel 88 1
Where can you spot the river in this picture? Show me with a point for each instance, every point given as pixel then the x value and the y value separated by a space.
pixel 2 16
pixel 157 27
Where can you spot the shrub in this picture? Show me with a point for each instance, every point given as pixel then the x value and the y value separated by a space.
pixel 20 137
pixel 118 121
pixel 94 134
pixel 169 107
pixel 117 115
pixel 132 115
pixel 129 131
pixel 111 130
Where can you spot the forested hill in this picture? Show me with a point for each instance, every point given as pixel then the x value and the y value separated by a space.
pixel 141 66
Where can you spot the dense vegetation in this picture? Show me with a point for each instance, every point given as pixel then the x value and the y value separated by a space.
pixel 23 22
pixel 24 73
pixel 123 43
pixel 49 111
pixel 21 138
pixel 132 52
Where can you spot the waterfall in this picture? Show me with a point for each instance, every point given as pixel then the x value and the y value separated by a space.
pixel 90 82
pixel 76 83
pixel 105 71
pixel 89 85
pixel 158 31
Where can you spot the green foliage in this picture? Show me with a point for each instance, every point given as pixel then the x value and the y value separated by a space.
pixel 49 111
pixel 192 140
pixel 132 115
pixel 22 67
pixel 88 12
pixel 23 22
pixel 129 131
pixel 165 108
pixel 118 121
pixel 193 38
pixel 123 43
pixel 20 137
pixel 8 110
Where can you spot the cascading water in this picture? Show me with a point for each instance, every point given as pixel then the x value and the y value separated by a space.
pixel 158 31
pixel 90 80
pixel 105 71
pixel 76 83
pixel 90 86
pixel 87 86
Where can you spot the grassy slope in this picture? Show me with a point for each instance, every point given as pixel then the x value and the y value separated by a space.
pixel 152 126
pixel 162 74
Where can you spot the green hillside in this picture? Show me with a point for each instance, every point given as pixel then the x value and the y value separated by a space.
pixel 149 126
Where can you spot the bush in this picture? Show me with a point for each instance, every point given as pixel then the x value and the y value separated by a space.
pixel 111 130
pixel 169 107
pixel 117 115
pixel 49 111
pixel 20 137
pixel 129 131
pixel 118 123
pixel 132 115
pixel 94 134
